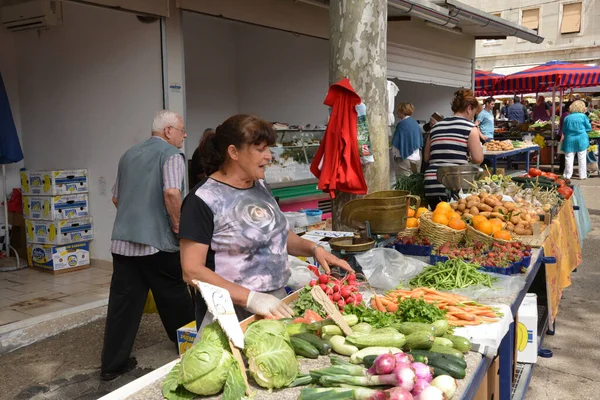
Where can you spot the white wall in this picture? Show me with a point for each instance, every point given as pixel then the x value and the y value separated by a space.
pixel 427 99
pixel 282 77
pixel 87 92
pixel 210 48
pixel 8 69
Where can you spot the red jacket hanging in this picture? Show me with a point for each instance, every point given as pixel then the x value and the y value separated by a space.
pixel 337 161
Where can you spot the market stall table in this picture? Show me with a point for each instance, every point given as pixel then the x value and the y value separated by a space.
pixel 494 156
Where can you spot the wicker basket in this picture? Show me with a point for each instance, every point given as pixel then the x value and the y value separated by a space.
pixel 438 234
pixel 409 232
pixel 474 236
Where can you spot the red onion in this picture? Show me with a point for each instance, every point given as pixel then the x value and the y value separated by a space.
pixel 406 378
pixel 400 365
pixel 404 358
pixel 399 394
pixel 431 393
pixel 420 385
pixel 423 371
pixel 384 364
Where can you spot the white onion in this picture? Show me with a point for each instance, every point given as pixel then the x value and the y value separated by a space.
pixel 431 393
pixel 446 384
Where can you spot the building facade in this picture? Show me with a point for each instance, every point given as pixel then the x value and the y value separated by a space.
pixel 571 29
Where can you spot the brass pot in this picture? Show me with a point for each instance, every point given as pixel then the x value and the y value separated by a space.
pixel 385 210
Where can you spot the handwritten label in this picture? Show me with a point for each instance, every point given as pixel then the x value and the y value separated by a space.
pixel 221 307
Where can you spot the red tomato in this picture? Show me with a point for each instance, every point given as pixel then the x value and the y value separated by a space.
pixel 535 172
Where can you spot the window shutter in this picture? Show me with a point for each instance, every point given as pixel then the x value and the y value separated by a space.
pixel 571 18
pixel 531 19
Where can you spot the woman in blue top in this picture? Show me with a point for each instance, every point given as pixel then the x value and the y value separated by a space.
pixel 407 142
pixel 575 128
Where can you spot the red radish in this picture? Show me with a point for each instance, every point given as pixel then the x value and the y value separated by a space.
pixel 336 296
pixel 341 304
pixel 336 288
pixel 313 283
pixel 351 277
pixel 385 364
pixel 330 297
pixel 349 299
pixel 346 291
pixel 358 297
pixel 323 286
pixel 329 291
pixel 324 278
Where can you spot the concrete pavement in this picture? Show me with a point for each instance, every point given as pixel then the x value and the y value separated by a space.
pixel 572 373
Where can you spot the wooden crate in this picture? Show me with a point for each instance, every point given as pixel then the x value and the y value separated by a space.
pixel 287 300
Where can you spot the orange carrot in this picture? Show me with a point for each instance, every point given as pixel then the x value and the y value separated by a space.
pixel 392 307
pixel 379 304
pixel 462 323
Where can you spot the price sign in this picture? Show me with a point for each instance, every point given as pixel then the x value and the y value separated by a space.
pixel 220 306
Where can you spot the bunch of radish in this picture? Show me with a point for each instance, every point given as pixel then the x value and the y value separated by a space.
pixel 342 292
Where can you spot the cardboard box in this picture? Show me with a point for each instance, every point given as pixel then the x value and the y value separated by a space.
pixel 526 330
pixel 61 231
pixel 56 258
pixel 186 336
pixel 52 183
pixel 50 208
pixel 493 380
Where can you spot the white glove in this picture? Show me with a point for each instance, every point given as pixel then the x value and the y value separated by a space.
pixel 268 305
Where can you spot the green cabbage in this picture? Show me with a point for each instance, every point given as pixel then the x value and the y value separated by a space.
pixel 171 389
pixel 212 333
pixel 204 368
pixel 271 359
pixel 235 387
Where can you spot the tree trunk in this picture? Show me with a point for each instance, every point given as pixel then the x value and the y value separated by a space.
pixel 358 50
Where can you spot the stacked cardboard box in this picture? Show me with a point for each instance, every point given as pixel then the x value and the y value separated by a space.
pixel 57 219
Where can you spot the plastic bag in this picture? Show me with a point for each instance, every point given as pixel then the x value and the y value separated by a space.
pixel 301 276
pixel 506 287
pixel 386 268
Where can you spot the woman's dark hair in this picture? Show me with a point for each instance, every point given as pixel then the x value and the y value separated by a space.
pixel 240 131
pixel 463 98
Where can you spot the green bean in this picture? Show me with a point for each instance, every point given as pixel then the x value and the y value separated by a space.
pixel 452 274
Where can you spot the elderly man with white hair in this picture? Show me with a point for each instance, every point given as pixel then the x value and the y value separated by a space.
pixel 145 246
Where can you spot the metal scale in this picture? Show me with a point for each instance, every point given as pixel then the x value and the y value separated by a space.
pixel 376 218
pixel 457 177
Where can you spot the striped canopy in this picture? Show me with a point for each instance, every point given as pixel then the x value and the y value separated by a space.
pixel 545 77
pixel 485 82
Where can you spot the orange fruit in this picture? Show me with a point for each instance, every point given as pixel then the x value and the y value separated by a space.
pixel 452 215
pixel 443 207
pixel 410 212
pixel 412 222
pixel 485 227
pixel 457 224
pixel 440 218
pixel 502 234
pixel 477 219
pixel 497 225
pixel 420 211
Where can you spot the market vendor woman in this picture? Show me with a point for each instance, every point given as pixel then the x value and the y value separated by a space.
pixel 233 234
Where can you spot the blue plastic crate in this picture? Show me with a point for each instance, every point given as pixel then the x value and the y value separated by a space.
pixel 433 259
pixel 512 269
pixel 526 261
pixel 413 249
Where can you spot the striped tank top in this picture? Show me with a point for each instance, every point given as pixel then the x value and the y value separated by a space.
pixel 449 139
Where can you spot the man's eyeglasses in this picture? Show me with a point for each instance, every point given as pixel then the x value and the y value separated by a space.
pixel 182 130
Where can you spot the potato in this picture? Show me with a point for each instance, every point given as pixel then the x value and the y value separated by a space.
pixel 462 206
pixel 500 209
pixel 469 198
pixel 477 199
pixel 453 206
pixel 499 197
pixel 483 195
pixel 510 227
pixel 471 204
pixel 486 214
pixel 499 216
pixel 473 211
pixel 536 218
pixel 491 201
pixel 467 216
pixel 509 205
pixel 520 231
pixel 484 207
pixel 515 219
pixel 524 216
pixel 462 201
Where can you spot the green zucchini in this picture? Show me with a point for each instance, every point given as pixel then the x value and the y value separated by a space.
pixel 323 346
pixel 384 331
pixel 440 341
pixel 351 319
pixel 363 327
pixel 437 371
pixel 451 368
pixel 430 355
pixel 459 343
pixel 419 358
pixel 331 330
pixel 381 339
pixel 419 340
pixel 340 346
pixel 303 348
pixel 359 356
pixel 318 325
pixel 440 327
pixel 407 328
pixel 294 329
pixel 368 361
pixel 447 350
